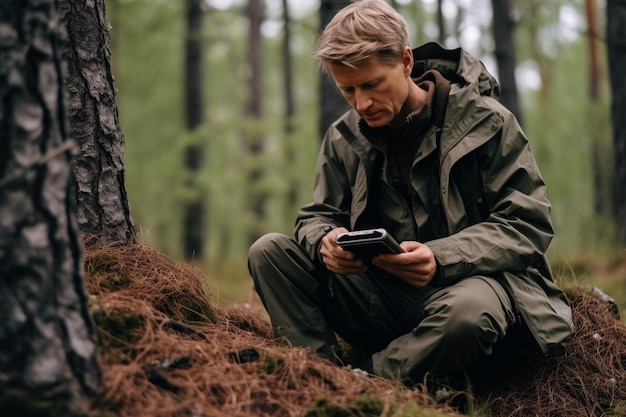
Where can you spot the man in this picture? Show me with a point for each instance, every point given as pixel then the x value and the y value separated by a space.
pixel 428 153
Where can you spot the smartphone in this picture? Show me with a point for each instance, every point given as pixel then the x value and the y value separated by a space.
pixel 365 244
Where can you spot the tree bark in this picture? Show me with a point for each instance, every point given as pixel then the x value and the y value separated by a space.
pixel 253 138
pixel 602 184
pixel 103 208
pixel 441 23
pixel 47 349
pixel 290 106
pixel 592 41
pixel 332 103
pixel 194 210
pixel 616 47
pixel 505 53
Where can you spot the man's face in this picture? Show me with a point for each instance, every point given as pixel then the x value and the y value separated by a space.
pixel 378 91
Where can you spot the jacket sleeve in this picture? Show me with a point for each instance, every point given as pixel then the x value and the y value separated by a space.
pixel 517 229
pixel 331 197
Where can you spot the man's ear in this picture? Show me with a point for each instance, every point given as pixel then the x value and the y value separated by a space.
pixel 407 61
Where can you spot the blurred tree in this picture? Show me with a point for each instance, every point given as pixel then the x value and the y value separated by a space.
pixel 290 104
pixel 535 23
pixel 194 208
pixel 592 41
pixel 602 196
pixel 332 103
pixel 441 23
pixel 253 138
pixel 616 43
pixel 103 209
pixel 505 53
pixel 47 350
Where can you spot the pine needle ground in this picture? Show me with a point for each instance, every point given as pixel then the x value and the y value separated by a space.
pixel 166 350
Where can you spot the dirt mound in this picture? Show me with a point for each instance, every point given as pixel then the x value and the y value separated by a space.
pixel 165 350
pixel 587 378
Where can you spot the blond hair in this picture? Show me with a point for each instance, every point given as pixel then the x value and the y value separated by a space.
pixel 360 30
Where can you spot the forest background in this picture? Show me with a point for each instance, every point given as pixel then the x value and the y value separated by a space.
pixel 564 98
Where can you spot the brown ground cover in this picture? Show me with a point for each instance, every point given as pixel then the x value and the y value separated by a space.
pixel 166 350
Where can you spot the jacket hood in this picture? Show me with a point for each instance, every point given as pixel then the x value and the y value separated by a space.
pixel 456 65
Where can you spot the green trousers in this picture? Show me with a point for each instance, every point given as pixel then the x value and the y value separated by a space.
pixel 409 331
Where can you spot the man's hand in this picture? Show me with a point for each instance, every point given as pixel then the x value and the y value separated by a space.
pixel 417 266
pixel 337 259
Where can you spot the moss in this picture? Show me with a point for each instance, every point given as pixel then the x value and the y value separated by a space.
pixel 370 404
pixel 192 309
pixel 363 405
pixel 619 409
pixel 271 363
pixel 326 408
pixel 13 406
pixel 104 268
pixel 117 330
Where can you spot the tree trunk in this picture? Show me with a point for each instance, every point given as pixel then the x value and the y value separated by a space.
pixel 103 209
pixel 332 103
pixel 290 107
pixel 592 41
pixel 505 53
pixel 616 46
pixel 544 62
pixel 253 138
pixel 47 349
pixel 602 185
pixel 441 23
pixel 193 222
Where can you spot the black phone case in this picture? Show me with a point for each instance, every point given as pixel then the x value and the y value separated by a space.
pixel 365 244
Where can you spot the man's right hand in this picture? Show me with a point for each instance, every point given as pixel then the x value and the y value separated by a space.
pixel 337 259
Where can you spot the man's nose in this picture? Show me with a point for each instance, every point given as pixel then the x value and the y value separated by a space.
pixel 362 100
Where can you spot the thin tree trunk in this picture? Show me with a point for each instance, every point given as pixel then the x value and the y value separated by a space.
pixel 543 62
pixel 441 22
pixel 253 140
pixel 194 210
pixel 103 209
pixel 47 349
pixel 592 41
pixel 505 53
pixel 616 46
pixel 290 106
pixel 332 103
pixel 601 170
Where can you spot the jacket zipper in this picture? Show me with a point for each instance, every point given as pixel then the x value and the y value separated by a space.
pixel 442 189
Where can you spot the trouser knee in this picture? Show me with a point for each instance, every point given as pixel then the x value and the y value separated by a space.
pixel 267 245
pixel 268 249
pixel 469 320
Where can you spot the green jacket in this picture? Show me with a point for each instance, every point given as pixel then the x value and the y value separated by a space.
pixel 480 203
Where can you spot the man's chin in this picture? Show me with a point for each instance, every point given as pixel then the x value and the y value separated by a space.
pixel 376 122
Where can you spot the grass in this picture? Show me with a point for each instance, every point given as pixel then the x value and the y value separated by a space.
pixel 606 271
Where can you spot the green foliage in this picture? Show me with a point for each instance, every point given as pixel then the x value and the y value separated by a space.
pixel 564 127
pixel 149 78
pixel 564 131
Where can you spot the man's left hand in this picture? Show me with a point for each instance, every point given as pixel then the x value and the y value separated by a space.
pixel 416 266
